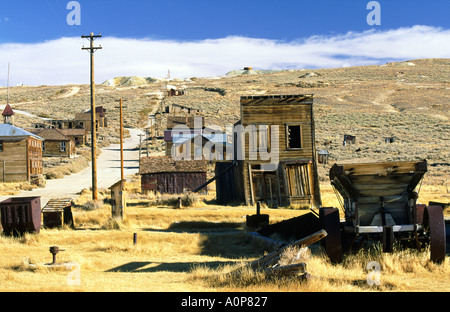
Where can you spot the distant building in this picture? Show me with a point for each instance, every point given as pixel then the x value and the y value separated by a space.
pixel 83 120
pixel 77 135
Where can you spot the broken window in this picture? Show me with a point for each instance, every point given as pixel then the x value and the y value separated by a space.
pixel 293 136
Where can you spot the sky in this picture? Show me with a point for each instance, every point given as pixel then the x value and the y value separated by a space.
pixel 41 39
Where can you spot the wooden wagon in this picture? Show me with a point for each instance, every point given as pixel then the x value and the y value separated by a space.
pixel 379 201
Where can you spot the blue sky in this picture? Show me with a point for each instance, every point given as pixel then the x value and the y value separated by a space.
pixel 211 37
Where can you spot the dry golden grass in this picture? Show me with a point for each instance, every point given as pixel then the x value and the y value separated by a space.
pixel 13 188
pixel 189 249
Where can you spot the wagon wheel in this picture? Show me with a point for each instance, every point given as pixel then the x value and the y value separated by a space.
pixel 433 221
pixel 329 218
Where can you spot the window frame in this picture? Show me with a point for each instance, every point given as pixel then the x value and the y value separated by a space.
pixel 296 124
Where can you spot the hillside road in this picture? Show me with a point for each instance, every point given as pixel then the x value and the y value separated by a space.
pixel 108 168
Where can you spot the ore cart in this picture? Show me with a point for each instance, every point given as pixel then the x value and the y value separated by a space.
pixel 379 203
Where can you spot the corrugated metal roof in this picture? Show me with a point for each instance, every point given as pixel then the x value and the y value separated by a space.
pixel 10 132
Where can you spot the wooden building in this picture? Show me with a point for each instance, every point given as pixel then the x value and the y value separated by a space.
pixel 20 154
pixel 55 144
pixel 77 135
pixel 174 108
pixel 209 146
pixel 181 126
pixel 167 176
pixel 83 120
pixel 281 126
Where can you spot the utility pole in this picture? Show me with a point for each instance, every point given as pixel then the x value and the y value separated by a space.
pixel 92 50
pixel 121 142
pixel 7 92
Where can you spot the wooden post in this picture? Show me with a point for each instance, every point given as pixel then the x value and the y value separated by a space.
pixel 121 141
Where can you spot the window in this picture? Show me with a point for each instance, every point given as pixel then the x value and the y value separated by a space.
pixel 63 146
pixel 43 146
pixel 293 136
pixel 1 146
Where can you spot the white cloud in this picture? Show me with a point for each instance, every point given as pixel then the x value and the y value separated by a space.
pixel 62 61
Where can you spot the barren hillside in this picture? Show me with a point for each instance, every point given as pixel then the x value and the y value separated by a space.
pixel 409 101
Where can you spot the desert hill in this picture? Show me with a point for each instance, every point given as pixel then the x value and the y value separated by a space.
pixel 409 101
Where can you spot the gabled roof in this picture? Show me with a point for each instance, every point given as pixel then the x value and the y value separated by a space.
pixel 51 135
pixel 8 111
pixel 10 132
pixel 73 132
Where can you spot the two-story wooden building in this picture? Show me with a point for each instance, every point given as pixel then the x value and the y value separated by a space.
pixel 20 154
pixel 275 157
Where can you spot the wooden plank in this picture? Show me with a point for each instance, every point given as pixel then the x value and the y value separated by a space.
pixel 250 177
pixel 273 257
pixel 381 169
pixel 380 187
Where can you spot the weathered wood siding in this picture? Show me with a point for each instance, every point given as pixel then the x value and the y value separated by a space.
pixel 280 111
pixel 172 182
pixel 20 159
pixel 53 149
pixel 278 187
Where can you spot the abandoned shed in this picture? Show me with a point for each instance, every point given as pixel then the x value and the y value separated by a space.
pixel 167 176
pixel 57 213
pixel 277 163
pixel 349 139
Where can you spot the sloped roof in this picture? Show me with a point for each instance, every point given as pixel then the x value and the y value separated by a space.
pixel 73 131
pixel 12 132
pixel 189 121
pixel 8 111
pixel 212 137
pixel 166 164
pixel 51 135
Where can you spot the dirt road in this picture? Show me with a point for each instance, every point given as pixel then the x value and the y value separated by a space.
pixel 108 168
